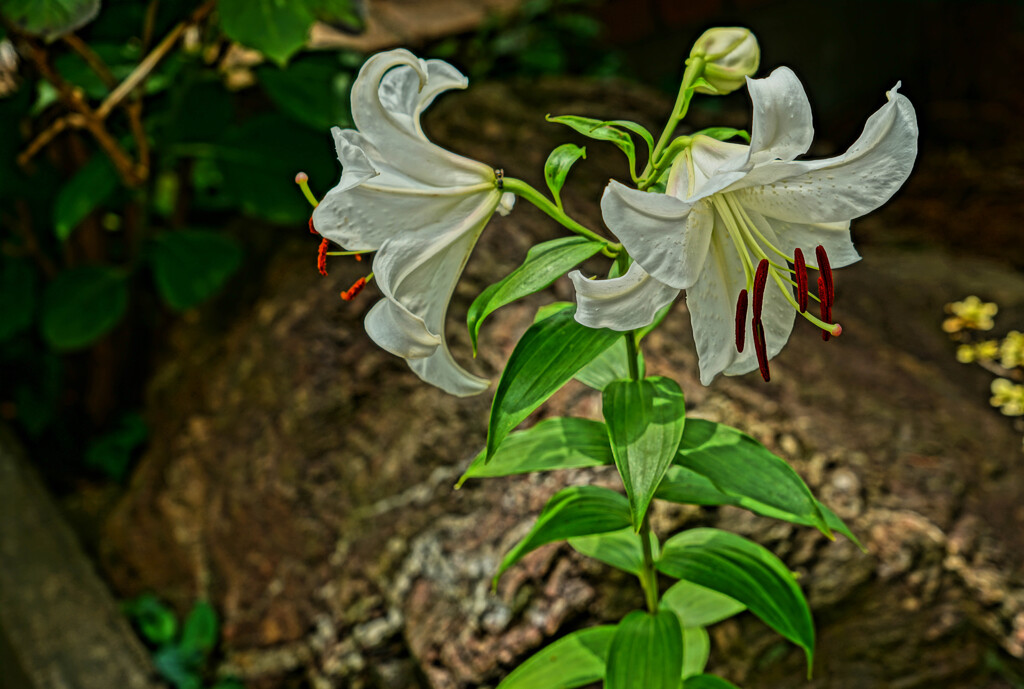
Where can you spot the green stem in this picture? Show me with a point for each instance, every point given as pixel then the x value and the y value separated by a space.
pixel 632 354
pixel 648 575
pixel 525 191
pixel 694 68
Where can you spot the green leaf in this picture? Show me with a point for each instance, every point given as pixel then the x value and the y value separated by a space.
pixel 112 452
pixel 557 167
pixel 18 296
pixel 697 606
pixel 573 511
pixel 558 443
pixel 276 28
pixel 91 186
pixel 696 650
pixel 597 129
pixel 177 666
pixel 544 264
pixel 637 129
pixel 50 18
pixel 349 15
pixel 155 620
pixel 747 572
pixel 547 356
pixel 646 652
pixel 611 364
pixel 191 265
pixel 723 133
pixel 575 660
pixel 82 304
pixel 707 682
pixel 741 467
pixel 200 630
pixel 645 422
pixel 313 89
pixel 621 549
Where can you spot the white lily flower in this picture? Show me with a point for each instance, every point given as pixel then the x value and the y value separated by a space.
pixel 734 215
pixel 420 207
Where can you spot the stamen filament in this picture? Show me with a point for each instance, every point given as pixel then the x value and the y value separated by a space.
pixel 750 224
pixel 302 179
pixel 736 235
pixel 828 327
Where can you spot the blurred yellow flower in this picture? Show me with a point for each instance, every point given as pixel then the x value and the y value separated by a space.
pixel 1008 396
pixel 1011 351
pixel 971 313
pixel 982 351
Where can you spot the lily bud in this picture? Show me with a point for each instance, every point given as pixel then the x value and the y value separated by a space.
pixel 730 55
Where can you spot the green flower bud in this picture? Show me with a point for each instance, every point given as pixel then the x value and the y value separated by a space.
pixel 730 54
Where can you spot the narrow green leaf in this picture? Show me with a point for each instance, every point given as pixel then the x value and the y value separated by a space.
pixel 49 18
pixel 707 682
pixel 191 265
pixel 645 423
pixel 621 549
pixel 557 167
pixel 740 466
pixel 575 660
pixel 200 630
pixel 696 650
pixel 597 129
pixel 82 304
pixel 747 572
pixel 276 28
pixel 611 364
pixel 723 133
pixel 637 129
pixel 18 298
pixel 544 264
pixel 90 187
pixel 558 443
pixel 573 511
pixel 547 356
pixel 646 651
pixel 698 606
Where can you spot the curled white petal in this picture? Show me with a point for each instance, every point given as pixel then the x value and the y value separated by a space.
pixel 783 127
pixel 624 303
pixel 356 167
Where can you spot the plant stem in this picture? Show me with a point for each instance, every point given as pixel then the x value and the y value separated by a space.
pixel 694 68
pixel 524 190
pixel 632 354
pixel 648 575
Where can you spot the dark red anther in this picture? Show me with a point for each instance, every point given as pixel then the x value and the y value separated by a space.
pixel 741 320
pixel 760 280
pixel 321 257
pixel 761 348
pixel 826 272
pixel 826 305
pixel 354 290
pixel 312 229
pixel 800 269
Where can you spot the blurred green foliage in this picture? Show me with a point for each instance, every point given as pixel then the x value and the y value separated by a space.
pixel 135 131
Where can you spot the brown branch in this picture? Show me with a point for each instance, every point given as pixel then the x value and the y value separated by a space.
pixel 94 61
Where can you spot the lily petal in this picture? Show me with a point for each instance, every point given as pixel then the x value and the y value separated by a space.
pixel 624 303
pixel 712 305
pixel 385 119
pixel 668 237
pixel 844 187
pixel 783 126
pixel 834 237
pixel 356 167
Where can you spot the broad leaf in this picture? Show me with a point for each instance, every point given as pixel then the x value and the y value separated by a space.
pixel 191 265
pixel 82 304
pixel 597 129
pixel 707 682
pixel 575 660
pixel 696 649
pixel 621 549
pixel 49 18
pixel 611 364
pixel 544 264
pixel 178 666
pixel 547 356
pixel 645 423
pixel 557 167
pixel 18 300
pixel 740 466
pixel 559 443
pixel 646 651
pixel 276 28
pixel 573 511
pixel 200 630
pixel 746 572
pixel 91 186
pixel 314 89
pixel 698 606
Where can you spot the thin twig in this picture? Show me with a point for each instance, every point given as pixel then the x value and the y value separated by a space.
pixel 94 61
